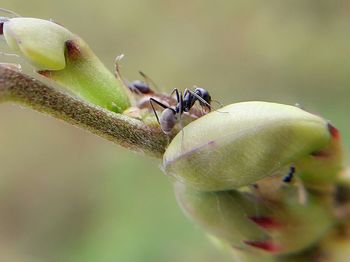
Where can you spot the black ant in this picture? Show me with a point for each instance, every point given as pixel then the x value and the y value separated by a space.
pixel 185 102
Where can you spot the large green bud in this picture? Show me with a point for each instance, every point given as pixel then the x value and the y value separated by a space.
pixel 250 223
pixel 62 56
pixel 242 143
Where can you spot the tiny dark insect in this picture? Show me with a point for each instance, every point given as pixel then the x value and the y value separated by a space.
pixel 141 87
pixel 185 102
pixel 288 178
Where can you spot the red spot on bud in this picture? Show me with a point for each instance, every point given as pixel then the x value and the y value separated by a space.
pixel 266 222
pixel 46 73
pixel 267 245
pixel 334 131
pixel 335 135
pixel 72 49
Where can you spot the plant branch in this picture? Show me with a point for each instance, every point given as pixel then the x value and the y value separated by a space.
pixel 123 130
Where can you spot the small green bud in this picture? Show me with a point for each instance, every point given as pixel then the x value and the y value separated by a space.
pixel 41 42
pixel 242 143
pixel 62 56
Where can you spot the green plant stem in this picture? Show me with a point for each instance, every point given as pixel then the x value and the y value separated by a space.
pixel 123 130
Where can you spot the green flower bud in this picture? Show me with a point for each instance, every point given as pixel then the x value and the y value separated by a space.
pixel 250 224
pixel 62 56
pixel 242 143
pixel 41 42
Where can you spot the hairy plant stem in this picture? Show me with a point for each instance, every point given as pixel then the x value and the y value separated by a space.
pixel 123 130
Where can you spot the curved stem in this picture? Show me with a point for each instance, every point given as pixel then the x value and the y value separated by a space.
pixel 123 130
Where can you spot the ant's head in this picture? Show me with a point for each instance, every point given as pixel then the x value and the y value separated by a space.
pixel 203 93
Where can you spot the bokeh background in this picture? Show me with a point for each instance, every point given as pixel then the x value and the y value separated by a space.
pixel 67 195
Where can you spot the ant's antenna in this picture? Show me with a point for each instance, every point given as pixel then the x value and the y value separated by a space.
pixel 205 102
pixel 9 12
pixel 218 102
pixel 148 80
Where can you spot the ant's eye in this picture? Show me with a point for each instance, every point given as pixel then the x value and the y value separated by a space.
pixel 207 97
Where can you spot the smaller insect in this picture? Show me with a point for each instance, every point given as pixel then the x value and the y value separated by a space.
pixel 170 115
pixel 288 178
pixel 141 87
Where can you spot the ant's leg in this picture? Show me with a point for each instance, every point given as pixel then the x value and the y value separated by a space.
pixel 148 80
pixel 176 91
pixel 181 104
pixel 181 109
pixel 186 91
pixel 9 12
pixel 152 100
pixel 182 133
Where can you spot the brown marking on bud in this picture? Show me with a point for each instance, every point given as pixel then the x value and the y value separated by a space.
pixel 72 49
pixel 266 245
pixel 265 222
pixel 321 154
pixel 46 73
pixel 334 131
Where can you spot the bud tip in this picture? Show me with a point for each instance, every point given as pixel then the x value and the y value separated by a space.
pixel 267 245
pixel 265 222
pixel 334 131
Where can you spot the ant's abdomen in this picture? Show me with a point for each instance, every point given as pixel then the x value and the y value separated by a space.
pixel 167 120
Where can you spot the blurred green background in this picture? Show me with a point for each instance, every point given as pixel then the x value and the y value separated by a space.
pixel 67 195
